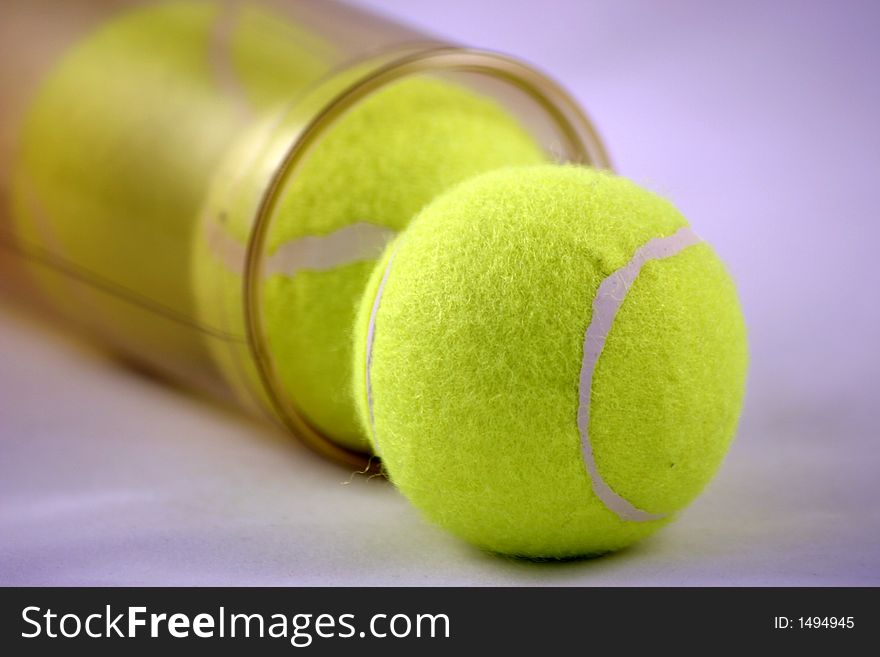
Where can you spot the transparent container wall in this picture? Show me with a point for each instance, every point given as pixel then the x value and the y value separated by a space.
pixel 131 131
pixel 114 118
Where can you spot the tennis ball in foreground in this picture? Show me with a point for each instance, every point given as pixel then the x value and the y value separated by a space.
pixel 550 362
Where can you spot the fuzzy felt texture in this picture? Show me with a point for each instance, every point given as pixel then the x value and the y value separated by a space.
pixel 478 346
pixel 383 161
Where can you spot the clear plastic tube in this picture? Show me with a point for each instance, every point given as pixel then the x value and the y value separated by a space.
pixel 130 129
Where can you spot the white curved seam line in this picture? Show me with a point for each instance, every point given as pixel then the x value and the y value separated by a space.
pixel 607 302
pixel 356 242
pixel 224 247
pixel 220 58
pixel 371 334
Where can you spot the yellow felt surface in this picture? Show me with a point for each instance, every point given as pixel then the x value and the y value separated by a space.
pixel 478 348
pixel 379 165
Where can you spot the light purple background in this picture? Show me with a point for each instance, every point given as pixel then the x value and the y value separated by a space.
pixel 758 119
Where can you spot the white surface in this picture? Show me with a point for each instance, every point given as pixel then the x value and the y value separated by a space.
pixel 110 478
pixel 759 122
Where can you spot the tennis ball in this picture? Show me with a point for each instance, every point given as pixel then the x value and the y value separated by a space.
pixel 96 184
pixel 367 179
pixel 550 362
pixel 118 149
pixel 361 183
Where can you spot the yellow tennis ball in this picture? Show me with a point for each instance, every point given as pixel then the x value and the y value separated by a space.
pixel 119 147
pixel 96 184
pixel 145 154
pixel 365 181
pixel 550 362
pixel 361 183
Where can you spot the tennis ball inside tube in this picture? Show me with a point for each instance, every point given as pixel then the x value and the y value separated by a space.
pixel 550 362
pixel 361 183
pixel 120 145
